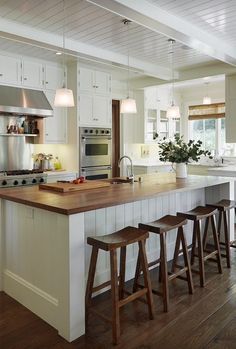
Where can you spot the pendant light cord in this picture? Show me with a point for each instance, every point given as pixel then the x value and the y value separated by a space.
pixel 127 23
pixel 172 68
pixel 63 43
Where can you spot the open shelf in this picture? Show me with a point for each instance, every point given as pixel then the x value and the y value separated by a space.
pixel 18 135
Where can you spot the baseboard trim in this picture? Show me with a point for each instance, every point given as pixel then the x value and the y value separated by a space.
pixel 38 301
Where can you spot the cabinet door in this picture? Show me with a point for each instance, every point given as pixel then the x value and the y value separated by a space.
pixel 86 80
pixel 54 77
pixel 102 82
pixel 10 70
pixel 101 110
pixel 55 126
pixel 32 74
pixel 85 109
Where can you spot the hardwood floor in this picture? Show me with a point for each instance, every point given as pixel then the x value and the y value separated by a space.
pixel 204 320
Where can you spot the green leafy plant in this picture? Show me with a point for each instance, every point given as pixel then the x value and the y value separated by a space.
pixel 178 151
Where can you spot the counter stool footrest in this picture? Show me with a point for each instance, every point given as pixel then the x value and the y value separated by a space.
pixel 151 264
pixel 177 273
pixel 132 297
pixel 210 255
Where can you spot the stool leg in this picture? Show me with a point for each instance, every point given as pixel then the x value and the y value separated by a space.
pixel 122 272
pixel 115 297
pixel 227 242
pixel 205 233
pixel 91 275
pixel 164 272
pixel 137 273
pixel 186 259
pixel 200 255
pixel 176 253
pixel 219 224
pixel 146 277
pixel 217 245
pixel 194 242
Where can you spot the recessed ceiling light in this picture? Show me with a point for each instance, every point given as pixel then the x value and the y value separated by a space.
pixel 58 53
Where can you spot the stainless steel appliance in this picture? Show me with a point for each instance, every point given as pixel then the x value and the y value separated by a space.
pixel 22 101
pixel 95 152
pixel 96 172
pixel 21 178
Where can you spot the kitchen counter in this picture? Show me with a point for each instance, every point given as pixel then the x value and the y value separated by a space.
pixel 116 194
pixel 44 256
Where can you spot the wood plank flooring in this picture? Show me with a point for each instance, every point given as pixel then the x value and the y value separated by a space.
pixel 204 320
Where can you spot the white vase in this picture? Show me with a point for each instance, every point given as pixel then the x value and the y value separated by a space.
pixel 181 170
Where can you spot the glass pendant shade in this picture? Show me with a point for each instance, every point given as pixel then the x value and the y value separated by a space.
pixel 128 106
pixel 206 100
pixel 64 98
pixel 173 112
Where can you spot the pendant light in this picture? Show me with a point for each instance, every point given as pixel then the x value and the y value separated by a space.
pixel 206 98
pixel 128 105
pixel 173 110
pixel 64 96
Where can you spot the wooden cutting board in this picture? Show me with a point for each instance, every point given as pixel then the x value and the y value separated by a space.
pixel 69 187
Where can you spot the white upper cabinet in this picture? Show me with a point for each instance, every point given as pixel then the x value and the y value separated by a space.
pixel 95 104
pixel 32 74
pixel 93 81
pixel 230 108
pixel 55 126
pixel 10 70
pixel 54 77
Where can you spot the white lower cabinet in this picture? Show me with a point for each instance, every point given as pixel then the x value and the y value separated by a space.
pixel 94 110
pixel 55 127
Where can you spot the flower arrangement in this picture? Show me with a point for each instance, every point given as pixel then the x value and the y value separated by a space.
pixel 178 151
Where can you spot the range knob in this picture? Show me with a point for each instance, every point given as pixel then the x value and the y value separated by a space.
pixel 4 182
pixel 34 180
pixel 91 131
pixel 41 180
pixel 85 131
pixel 102 131
pixel 15 182
pixel 24 181
pixel 107 132
pixel 96 131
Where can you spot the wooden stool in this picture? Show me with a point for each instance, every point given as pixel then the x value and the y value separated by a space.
pixel 111 243
pixel 196 215
pixel 223 207
pixel 161 227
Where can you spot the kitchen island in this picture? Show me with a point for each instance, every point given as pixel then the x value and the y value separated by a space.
pixel 44 257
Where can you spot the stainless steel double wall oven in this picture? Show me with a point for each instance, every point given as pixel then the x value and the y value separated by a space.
pixel 95 152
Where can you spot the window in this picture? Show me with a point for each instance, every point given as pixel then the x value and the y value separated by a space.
pixel 212 134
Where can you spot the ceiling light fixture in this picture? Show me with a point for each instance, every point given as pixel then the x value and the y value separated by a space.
pixel 64 96
pixel 128 105
pixel 206 98
pixel 173 110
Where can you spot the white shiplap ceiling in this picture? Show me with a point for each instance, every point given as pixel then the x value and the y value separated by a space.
pixel 98 30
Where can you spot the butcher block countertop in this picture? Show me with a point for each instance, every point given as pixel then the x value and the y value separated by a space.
pixel 115 194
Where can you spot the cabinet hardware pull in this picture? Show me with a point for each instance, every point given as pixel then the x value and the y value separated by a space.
pixel 46 82
pixel 1 74
pixel 25 78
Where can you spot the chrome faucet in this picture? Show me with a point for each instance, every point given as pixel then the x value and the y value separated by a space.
pixel 131 175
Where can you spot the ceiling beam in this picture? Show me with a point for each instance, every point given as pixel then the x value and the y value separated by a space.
pixel 158 20
pixel 36 37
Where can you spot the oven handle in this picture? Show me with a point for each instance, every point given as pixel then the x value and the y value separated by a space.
pixel 94 137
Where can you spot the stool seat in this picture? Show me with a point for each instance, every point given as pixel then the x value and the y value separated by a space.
pixel 198 213
pixel 110 243
pixel 164 224
pixel 123 237
pixel 161 227
pixel 223 205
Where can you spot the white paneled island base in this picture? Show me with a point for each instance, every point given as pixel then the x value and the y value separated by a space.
pixel 44 256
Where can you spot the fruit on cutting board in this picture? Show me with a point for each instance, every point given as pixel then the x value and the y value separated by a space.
pixel 78 180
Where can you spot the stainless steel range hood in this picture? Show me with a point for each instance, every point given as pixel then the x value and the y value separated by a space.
pixel 22 101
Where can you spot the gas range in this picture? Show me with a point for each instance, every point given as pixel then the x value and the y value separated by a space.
pixel 18 178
